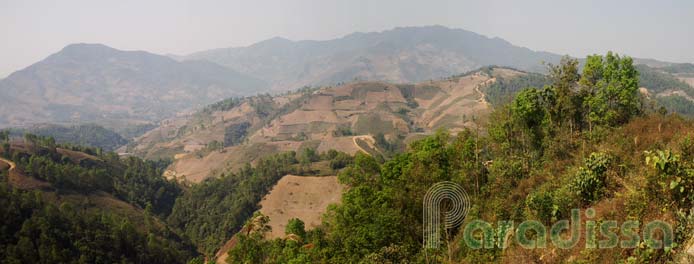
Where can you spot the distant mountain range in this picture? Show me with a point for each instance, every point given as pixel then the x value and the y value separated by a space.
pixel 401 55
pixel 98 84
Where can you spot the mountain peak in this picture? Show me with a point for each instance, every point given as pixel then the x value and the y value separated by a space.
pixel 87 47
pixel 274 42
pixel 85 51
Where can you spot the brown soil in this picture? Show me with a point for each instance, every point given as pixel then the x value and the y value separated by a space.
pixel 303 197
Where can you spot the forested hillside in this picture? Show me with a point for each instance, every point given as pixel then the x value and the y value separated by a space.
pixel 69 204
pixel 89 135
pixel 585 141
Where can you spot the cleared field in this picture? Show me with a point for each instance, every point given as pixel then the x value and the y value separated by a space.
pixel 327 118
pixel 688 80
pixel 303 197
pixel 195 169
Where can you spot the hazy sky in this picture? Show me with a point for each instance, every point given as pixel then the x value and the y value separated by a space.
pixel 32 30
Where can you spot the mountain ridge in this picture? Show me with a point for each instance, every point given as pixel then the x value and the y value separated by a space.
pixel 241 58
pixel 96 83
pixel 403 54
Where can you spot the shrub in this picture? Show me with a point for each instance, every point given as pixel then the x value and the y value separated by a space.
pixel 587 185
pixel 589 181
pixel 542 203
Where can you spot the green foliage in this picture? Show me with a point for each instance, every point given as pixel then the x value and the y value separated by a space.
pixel 4 135
pixel 389 147
pixel 503 90
pixel 509 168
pixel 364 171
pixel 235 134
pixel 528 108
pixel 657 82
pixel 589 181
pixel 38 232
pixel 672 175
pixel 213 210
pixel 542 202
pixel 676 104
pixel 90 135
pixel 224 105
pixel 142 184
pixel 132 179
pixel 252 248
pixel 611 89
pixel 686 68
pixel 295 226
pixel 587 185
pixel 338 160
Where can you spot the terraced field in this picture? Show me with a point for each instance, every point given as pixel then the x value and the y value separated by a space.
pixel 345 118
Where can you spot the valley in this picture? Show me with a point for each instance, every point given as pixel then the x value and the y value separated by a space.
pixel 326 151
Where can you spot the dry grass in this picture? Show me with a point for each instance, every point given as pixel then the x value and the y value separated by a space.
pixel 301 197
pixel 367 108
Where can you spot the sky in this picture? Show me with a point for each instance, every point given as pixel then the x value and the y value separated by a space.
pixel 32 29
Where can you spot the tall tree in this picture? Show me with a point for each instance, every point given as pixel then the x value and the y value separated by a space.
pixel 564 80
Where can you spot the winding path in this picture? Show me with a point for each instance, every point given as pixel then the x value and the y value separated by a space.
pixel 366 138
pixel 21 181
pixel 12 164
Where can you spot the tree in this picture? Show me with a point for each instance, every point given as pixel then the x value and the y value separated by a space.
pixel 564 80
pixel 235 133
pixel 295 226
pixel 529 110
pixel 257 224
pixel 592 74
pixel 4 135
pixel 611 89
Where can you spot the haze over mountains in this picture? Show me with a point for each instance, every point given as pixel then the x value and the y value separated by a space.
pixel 128 156
pixel 95 83
pixel 401 55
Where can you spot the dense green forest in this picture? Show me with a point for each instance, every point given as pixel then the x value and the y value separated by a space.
pixel 503 90
pixel 131 179
pixel 572 144
pixel 35 231
pixel 677 104
pixel 90 135
pixel 55 225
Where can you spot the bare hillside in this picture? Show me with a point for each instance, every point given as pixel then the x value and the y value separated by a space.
pixel 345 118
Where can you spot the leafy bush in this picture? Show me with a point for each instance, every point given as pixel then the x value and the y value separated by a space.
pixel 589 181
pixel 542 203
pixel 672 174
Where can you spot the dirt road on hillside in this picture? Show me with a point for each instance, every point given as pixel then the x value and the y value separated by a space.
pixel 368 139
pixel 9 162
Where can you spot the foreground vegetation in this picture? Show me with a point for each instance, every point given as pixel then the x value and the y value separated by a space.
pixel 568 140
pixel 577 143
